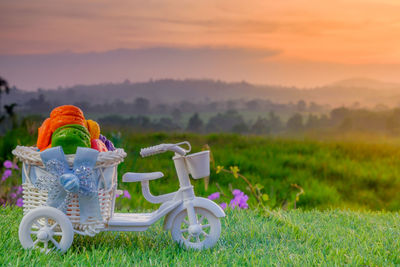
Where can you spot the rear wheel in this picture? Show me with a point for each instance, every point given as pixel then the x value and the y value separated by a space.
pixel 47 229
pixel 202 236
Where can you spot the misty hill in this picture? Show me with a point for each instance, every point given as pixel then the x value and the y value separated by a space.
pixel 170 91
pixel 365 83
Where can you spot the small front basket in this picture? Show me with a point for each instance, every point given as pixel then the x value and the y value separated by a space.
pixel 106 166
pixel 199 164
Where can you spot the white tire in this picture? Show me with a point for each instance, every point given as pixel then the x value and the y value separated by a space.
pixel 47 229
pixel 210 229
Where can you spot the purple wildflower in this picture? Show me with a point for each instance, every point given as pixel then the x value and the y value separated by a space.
pixel 236 192
pixel 19 202
pixel 240 200
pixel 233 203
pixel 214 196
pixel 13 195
pixel 223 205
pixel 8 164
pixel 6 174
pixel 19 190
pixel 15 166
pixel 126 194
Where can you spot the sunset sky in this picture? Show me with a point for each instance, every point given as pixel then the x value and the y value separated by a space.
pixel 305 42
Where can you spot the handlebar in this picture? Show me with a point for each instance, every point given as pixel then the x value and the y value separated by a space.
pixel 158 149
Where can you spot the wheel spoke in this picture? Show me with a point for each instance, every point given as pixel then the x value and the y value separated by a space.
pixel 204 233
pixel 198 239
pixel 58 233
pixel 184 230
pixel 46 244
pixel 37 224
pixel 46 251
pixel 205 226
pixel 186 222
pixel 53 226
pixel 201 219
pixel 46 222
pixel 36 241
pixel 55 243
pixel 34 232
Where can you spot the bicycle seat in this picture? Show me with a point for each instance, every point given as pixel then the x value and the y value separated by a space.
pixel 138 177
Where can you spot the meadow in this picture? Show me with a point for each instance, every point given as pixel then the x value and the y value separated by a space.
pixel 324 202
pixel 248 238
pixel 308 173
pixel 333 174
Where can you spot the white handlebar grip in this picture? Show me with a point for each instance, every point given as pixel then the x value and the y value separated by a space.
pixel 153 150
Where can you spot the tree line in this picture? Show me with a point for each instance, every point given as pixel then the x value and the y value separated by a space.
pixel 144 106
pixel 341 119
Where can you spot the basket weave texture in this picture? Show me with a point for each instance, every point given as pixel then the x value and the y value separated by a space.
pixel 33 197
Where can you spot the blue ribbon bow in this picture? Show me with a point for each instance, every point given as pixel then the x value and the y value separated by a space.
pixel 64 182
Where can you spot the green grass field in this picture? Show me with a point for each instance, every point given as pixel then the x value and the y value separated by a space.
pixel 351 177
pixel 358 174
pixel 338 174
pixel 286 238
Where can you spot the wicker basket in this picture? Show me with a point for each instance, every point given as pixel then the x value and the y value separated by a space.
pixel 107 163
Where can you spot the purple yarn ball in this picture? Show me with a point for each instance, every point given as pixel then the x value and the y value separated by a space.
pixel 103 138
pixel 109 145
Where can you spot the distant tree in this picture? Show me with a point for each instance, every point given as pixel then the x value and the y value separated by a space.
pixel 166 124
pixel 381 107
pixel 141 105
pixel 346 124
pixel 275 122
pixel 161 109
pixel 295 123
pixel 324 121
pixel 10 112
pixel 195 124
pixel 224 122
pixel 186 106
pixel 301 106
pixel 4 88
pixel 314 107
pixel 84 105
pixel 312 122
pixel 143 122
pixel 339 114
pixel 120 107
pixel 240 128
pixel 38 105
pixel 393 122
pixel 176 114
pixel 253 105
pixel 261 126
pixel 231 104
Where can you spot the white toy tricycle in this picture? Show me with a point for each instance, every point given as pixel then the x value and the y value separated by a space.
pixel 194 221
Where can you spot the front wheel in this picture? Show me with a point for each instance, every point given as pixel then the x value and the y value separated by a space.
pixel 47 229
pixel 205 235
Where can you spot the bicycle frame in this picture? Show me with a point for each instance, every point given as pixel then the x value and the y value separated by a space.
pixel 184 198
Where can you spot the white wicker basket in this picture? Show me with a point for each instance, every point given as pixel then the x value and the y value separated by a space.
pixel 107 163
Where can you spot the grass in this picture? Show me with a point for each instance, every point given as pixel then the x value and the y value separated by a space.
pixel 338 174
pixel 355 174
pixel 248 238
